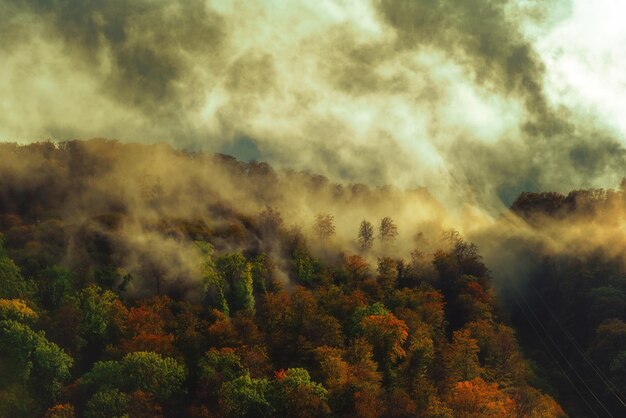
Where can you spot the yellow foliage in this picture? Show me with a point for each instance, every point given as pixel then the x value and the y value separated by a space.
pixel 16 309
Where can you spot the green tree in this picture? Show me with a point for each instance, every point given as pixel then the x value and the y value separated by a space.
pixel 295 395
pixel 244 397
pixel 213 283
pixel 150 372
pixel 363 312
pixel 97 309
pixel 219 366
pixel 261 274
pixel 146 371
pixel 103 376
pixel 236 272
pixel 107 404
pixel 29 358
pixel 56 283
pixel 304 266
pixel 12 284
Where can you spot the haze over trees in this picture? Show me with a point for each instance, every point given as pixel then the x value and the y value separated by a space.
pixel 252 318
pixel 324 227
pixel 366 235
pixel 387 232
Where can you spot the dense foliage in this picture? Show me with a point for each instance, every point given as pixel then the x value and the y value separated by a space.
pixel 274 322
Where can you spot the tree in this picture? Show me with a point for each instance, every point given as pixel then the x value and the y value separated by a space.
pixel 107 404
pixel 476 398
pixel 56 283
pixel 236 272
pixel 387 335
pixel 150 372
pixel 144 329
pixel 462 357
pixel 324 226
pixel 388 231
pixel 147 371
pixel 60 411
pixel 103 376
pixel 244 397
pixel 357 267
pixel 97 309
pixel 362 312
pixel 261 273
pixel 218 367
pixel 18 310
pixel 29 358
pixel 12 284
pixel 213 283
pixel 295 395
pixel 366 235
pixel 387 273
pixel 304 266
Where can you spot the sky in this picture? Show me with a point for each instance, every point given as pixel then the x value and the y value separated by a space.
pixel 477 100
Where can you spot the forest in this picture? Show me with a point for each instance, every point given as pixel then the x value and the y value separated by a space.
pixel 142 281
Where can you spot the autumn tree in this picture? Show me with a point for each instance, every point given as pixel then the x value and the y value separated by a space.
pixel 387 335
pixel 387 273
pixel 144 330
pixel 324 226
pixel 477 399
pixel 461 359
pixel 60 411
pixel 366 235
pixel 388 232
pixel 18 310
pixel 358 269
pixel 353 386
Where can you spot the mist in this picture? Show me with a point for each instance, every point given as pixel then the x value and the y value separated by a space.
pixel 463 98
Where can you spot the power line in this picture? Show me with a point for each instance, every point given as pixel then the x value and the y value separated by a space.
pixel 519 297
pixel 580 350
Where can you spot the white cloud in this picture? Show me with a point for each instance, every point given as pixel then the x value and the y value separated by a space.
pixel 585 57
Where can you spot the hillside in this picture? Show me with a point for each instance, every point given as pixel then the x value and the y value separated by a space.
pixel 145 281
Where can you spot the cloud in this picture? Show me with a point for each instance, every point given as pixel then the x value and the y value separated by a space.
pixel 446 94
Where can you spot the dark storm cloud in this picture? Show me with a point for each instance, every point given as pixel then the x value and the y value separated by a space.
pixel 148 43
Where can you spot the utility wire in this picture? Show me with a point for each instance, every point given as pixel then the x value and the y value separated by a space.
pixel 519 297
pixel 580 350
pixel 558 349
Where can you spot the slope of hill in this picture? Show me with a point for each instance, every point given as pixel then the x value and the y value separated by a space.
pixel 145 281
